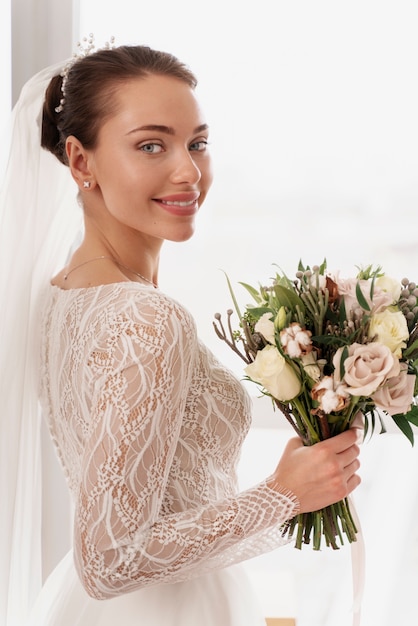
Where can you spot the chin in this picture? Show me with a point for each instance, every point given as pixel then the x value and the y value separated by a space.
pixel 183 235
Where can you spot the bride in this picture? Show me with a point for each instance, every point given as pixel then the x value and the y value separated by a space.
pixel 146 423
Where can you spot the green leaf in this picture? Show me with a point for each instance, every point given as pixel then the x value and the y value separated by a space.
pixel 287 298
pixel 344 355
pixel 258 311
pixel 403 424
pixel 361 299
pixel 410 349
pixel 234 300
pixel 372 287
pixel 412 415
pixel 254 293
pixel 342 312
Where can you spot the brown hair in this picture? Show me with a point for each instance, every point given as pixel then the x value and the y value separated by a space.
pixel 90 85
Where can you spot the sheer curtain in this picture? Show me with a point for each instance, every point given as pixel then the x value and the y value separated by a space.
pixel 28 44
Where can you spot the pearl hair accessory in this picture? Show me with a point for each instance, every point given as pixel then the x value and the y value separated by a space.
pixel 84 49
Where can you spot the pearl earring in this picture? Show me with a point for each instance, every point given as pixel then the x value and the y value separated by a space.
pixel 86 184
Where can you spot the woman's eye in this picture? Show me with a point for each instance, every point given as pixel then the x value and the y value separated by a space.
pixel 151 148
pixel 199 145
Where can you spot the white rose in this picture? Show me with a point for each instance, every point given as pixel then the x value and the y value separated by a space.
pixel 391 329
pixel 271 370
pixel 390 285
pixel 265 326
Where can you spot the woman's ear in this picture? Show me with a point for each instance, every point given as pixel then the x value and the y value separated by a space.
pixel 78 161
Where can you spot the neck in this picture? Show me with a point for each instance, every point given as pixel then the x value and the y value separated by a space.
pixel 130 250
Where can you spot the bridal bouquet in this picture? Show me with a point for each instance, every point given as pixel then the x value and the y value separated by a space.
pixel 325 349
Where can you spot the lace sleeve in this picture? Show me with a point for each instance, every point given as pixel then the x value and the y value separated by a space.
pixel 140 376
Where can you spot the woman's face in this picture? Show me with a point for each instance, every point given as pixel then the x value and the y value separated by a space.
pixel 151 164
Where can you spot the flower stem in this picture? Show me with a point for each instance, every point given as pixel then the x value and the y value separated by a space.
pixel 313 436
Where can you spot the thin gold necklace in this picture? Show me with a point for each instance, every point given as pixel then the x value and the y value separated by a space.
pixel 97 258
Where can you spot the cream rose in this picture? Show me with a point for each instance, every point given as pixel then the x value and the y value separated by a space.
pixel 395 396
pixel 390 285
pixel 391 329
pixel 366 367
pixel 271 370
pixel 265 326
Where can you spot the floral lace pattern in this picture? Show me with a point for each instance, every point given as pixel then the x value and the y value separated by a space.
pixel 148 427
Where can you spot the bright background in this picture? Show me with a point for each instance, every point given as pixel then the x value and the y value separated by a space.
pixel 314 131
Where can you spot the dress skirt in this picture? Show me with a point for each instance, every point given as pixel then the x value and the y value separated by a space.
pixel 219 598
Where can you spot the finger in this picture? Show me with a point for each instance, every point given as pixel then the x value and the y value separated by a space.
pixel 348 456
pixel 352 468
pixel 353 482
pixel 343 441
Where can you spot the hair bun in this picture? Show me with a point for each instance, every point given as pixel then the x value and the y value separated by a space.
pixel 51 136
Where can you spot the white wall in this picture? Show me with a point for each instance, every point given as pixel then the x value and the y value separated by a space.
pixel 5 74
pixel 42 34
pixel 313 114
pixel 313 110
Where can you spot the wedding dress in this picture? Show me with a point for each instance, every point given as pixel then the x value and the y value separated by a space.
pixel 148 427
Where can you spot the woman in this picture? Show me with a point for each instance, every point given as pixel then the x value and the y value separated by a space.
pixel 147 424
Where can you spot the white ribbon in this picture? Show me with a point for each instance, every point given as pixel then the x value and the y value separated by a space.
pixel 358 565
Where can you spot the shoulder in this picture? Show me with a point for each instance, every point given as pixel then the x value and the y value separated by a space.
pixel 123 308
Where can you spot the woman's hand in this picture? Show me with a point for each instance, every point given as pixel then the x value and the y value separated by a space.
pixel 321 474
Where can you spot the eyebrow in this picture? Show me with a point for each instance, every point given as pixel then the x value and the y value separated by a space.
pixel 168 130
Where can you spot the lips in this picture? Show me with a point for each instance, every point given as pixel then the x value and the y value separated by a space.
pixel 180 204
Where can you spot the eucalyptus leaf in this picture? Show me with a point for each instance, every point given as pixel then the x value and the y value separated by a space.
pixel 361 299
pixel 412 415
pixel 403 424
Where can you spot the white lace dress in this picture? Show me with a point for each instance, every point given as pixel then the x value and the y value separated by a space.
pixel 148 427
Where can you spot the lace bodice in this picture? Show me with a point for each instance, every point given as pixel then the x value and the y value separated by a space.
pixel 148 427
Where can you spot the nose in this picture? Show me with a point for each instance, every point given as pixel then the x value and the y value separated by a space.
pixel 185 169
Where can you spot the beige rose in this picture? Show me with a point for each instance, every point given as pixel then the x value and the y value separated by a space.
pixel 271 370
pixel 395 395
pixel 347 288
pixel 366 367
pixel 265 327
pixel 390 328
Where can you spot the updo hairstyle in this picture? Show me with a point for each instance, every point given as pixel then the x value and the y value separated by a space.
pixel 91 83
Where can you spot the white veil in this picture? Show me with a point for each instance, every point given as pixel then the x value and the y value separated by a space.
pixel 39 219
